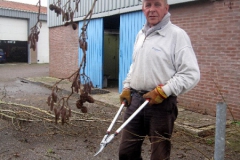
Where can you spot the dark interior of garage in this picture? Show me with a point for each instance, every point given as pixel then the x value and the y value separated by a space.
pixel 16 51
pixel 111 51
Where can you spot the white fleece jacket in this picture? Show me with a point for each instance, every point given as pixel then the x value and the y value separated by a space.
pixel 163 55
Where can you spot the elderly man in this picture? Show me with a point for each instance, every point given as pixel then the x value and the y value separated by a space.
pixel 164 66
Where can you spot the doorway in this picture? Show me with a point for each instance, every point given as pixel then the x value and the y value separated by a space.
pixel 111 52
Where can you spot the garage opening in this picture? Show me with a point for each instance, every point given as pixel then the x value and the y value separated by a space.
pixel 111 52
pixel 16 51
pixel 13 39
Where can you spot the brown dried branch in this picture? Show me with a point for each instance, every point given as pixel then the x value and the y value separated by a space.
pixel 229 3
pixel 66 11
pixel 38 113
pixel 35 30
pixel 60 106
pixel 219 90
pixel 4 93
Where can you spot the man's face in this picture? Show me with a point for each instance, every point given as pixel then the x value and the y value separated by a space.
pixel 154 11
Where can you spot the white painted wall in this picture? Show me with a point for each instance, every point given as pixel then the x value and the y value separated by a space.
pixel 43 44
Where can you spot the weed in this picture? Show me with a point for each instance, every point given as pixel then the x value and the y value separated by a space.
pixel 50 151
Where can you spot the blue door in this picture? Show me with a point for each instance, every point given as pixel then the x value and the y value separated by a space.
pixel 130 24
pixel 94 65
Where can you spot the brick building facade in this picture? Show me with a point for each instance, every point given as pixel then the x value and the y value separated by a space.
pixel 214 30
pixel 64 51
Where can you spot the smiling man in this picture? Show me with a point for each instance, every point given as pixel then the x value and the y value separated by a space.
pixel 164 66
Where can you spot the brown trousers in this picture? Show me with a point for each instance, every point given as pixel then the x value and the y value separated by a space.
pixel 156 121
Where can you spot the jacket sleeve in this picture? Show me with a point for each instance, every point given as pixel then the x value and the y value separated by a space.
pixel 187 70
pixel 126 82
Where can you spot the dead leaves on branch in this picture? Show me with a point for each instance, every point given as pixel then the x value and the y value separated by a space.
pixel 84 97
pixel 59 105
pixel 83 44
pixel 33 37
pixel 35 30
pixel 81 83
pixel 66 11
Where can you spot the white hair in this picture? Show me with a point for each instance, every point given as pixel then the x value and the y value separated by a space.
pixel 166 1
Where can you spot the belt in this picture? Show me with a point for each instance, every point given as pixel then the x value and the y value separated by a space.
pixel 140 92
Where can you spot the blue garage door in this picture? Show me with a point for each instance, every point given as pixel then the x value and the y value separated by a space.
pixel 130 24
pixel 94 66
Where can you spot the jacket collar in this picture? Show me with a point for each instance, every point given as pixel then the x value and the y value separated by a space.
pixel 147 30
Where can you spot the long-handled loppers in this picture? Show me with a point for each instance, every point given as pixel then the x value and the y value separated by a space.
pixel 108 137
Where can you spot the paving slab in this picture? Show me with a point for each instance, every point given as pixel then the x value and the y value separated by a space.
pixel 195 123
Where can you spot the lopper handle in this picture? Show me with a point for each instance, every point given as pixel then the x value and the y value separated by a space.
pixel 132 116
pixel 116 116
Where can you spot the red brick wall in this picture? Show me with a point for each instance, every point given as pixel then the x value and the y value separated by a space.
pixel 63 51
pixel 215 33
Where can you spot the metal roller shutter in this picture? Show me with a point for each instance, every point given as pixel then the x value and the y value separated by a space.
pixel 13 29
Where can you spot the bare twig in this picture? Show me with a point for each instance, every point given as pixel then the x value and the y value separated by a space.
pixel 223 98
pixel 35 30
pixel 4 92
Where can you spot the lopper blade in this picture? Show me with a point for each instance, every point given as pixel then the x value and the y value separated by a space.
pixel 102 144
pixel 107 139
pixel 100 150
